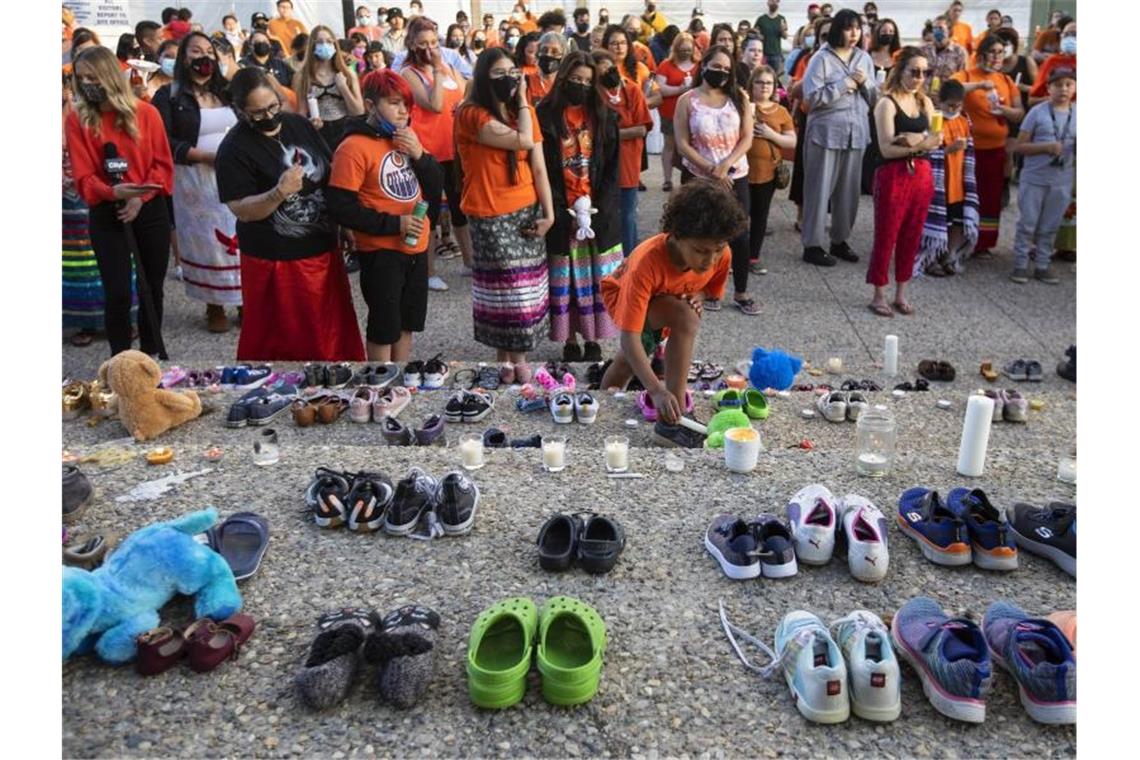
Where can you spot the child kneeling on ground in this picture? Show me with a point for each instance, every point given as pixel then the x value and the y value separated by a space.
pixel 662 286
pixel 1048 140
pixel 379 173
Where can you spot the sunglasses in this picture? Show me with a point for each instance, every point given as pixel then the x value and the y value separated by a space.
pixel 918 73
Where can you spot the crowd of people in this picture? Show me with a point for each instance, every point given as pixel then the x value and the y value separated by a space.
pixel 272 160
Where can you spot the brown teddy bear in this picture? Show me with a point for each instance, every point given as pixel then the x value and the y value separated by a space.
pixel 146 410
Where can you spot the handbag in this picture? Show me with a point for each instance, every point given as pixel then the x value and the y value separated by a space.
pixel 783 170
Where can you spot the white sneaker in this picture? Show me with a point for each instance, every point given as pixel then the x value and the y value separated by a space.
pixel 856 405
pixel 813 668
pixel 812 515
pixel 864 530
pixel 436 283
pixel 833 406
pixel 586 408
pixel 562 408
pixel 872 668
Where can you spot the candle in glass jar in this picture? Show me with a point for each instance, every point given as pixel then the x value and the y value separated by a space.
pixel 554 454
pixel 617 453
pixel 471 451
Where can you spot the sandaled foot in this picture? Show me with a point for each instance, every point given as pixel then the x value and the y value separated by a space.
pixel 903 307
pixel 880 309
pixel 747 306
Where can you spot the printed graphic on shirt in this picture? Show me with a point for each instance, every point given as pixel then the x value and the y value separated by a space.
pixel 397 178
pixel 302 214
pixel 577 148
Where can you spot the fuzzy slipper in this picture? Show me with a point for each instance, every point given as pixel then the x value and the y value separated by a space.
pixel 334 657
pixel 404 647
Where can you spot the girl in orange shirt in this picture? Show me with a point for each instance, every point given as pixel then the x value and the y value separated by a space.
pixel 526 54
pixel 506 197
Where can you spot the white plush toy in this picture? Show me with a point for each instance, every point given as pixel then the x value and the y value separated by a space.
pixel 581 212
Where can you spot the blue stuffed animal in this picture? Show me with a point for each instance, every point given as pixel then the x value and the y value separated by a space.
pixel 106 609
pixel 773 369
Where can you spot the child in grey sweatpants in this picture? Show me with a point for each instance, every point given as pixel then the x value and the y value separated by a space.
pixel 1048 140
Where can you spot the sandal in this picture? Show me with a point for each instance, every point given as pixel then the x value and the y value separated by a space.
pixel 557 541
pixel 600 543
pixel 710 371
pixel 571 644
pixel 90 552
pixel 988 372
pixel 729 398
pixel 747 306
pixel 881 310
pixel 489 378
pixel 447 250
pixel 211 644
pixel 83 338
pixel 755 404
pixel 159 650
pixel 903 308
pixel 466 379
pixel 499 653
pixel 241 539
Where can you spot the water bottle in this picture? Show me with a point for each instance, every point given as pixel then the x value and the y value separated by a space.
pixel 419 212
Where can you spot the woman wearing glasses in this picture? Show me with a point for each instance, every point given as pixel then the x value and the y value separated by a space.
pixel 904 183
pixel 272 170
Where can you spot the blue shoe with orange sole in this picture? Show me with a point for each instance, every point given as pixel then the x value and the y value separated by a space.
pixel 940 534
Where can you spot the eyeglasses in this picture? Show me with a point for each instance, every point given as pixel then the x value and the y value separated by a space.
pixel 264 113
pixel 918 73
pixel 511 73
pixel 763 83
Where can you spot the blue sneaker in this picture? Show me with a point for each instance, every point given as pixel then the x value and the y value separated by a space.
pixel 247 378
pixel 775 546
pixel 229 374
pixel 813 668
pixel 991 542
pixel 732 543
pixel 1038 655
pixel 940 533
pixel 950 656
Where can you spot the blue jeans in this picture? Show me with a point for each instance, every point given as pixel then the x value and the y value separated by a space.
pixel 628 220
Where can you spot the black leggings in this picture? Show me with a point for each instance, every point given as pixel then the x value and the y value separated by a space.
pixel 108 240
pixel 452 190
pixel 761 197
pixel 739 244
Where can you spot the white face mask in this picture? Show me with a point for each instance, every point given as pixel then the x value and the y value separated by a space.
pixel 364 20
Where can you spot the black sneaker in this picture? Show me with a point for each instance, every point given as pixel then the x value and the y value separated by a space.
pixel 819 257
pixel 453 412
pixel 775 546
pixel 272 405
pixel 1048 531
pixel 338 376
pixel 456 500
pixel 592 352
pixel 732 543
pixel 843 251
pixel 413 374
pixel 316 375
pixel 326 498
pixel 1068 368
pixel 413 496
pixel 493 438
pixel 435 373
pixel 477 405
pixel 77 492
pixel 370 496
pixel 677 436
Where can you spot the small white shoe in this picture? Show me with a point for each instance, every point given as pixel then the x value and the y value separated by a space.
pixel 856 405
pixel 813 668
pixel 436 283
pixel 872 668
pixel 812 515
pixel 833 406
pixel 562 408
pixel 586 408
pixel 864 530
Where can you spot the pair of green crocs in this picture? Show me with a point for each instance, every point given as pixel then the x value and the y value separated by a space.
pixel 571 640
pixel 750 401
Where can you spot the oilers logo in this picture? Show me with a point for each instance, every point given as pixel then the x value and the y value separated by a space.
pixel 397 178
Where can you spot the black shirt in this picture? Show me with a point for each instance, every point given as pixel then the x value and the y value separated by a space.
pixel 250 163
pixel 275 66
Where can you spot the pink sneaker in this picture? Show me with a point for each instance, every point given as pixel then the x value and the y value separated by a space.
pixel 546 380
pixel 569 382
pixel 645 404
pixel 390 402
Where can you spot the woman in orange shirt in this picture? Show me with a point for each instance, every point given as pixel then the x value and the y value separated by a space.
pixel 993 103
pixel 108 114
pixel 551 49
pixel 674 79
pixel 526 54
pixel 506 197
pixel 437 90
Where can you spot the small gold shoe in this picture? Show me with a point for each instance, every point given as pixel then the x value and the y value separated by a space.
pixel 76 399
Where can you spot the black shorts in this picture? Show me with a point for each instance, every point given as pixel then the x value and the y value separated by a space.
pixel 954 213
pixel 395 288
pixel 452 190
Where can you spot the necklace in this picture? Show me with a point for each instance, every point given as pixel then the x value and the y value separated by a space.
pixel 614 95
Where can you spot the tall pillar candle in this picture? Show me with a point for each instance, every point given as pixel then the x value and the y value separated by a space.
pixel 975 436
pixel 891 355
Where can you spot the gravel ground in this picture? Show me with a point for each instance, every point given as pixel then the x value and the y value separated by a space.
pixel 671 684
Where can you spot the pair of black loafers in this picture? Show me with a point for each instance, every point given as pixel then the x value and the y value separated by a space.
pixel 593 541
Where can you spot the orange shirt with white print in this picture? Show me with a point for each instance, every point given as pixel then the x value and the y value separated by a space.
pixel 577 150
pixel 648 272
pixel 990 131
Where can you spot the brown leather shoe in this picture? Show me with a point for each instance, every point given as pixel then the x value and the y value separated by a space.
pixel 329 408
pixel 216 321
pixel 213 643
pixel 159 650
pixel 304 412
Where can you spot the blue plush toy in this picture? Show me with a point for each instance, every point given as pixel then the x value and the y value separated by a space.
pixel 106 609
pixel 773 369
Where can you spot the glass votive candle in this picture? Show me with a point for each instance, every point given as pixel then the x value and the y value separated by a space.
pixel 1067 467
pixel 554 453
pixel 471 451
pixel 265 449
pixel 617 453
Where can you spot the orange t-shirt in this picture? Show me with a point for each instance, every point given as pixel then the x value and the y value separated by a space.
pixel 487 189
pixel 955 163
pixel 990 131
pixel 632 112
pixel 285 29
pixel 648 272
pixel 436 130
pixel 963 34
pixel 537 87
pixel 643 75
pixel 577 149
pixel 383 180
pixel 763 154
pixel 644 55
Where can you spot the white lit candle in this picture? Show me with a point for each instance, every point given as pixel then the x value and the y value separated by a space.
pixel 617 453
pixel 891 355
pixel 975 436
pixel 835 365
pixel 471 451
pixel 554 455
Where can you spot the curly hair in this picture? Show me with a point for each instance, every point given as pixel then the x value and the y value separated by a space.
pixel 703 209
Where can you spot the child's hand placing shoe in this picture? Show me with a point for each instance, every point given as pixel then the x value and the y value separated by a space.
pixel 667 405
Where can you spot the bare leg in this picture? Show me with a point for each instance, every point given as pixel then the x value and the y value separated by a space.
pixel 880 297
pixel 463 238
pixel 900 297
pixel 618 374
pixel 378 352
pixel 402 349
pixel 667 158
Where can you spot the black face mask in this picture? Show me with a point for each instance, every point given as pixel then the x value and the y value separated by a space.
pixel 203 66
pixel 479 44
pixel 548 64
pixel 266 125
pixel 93 93
pixel 604 20
pixel 885 39
pixel 611 78
pixel 453 44
pixel 262 49
pixel 582 27
pixel 505 87
pixel 576 93
pixel 715 78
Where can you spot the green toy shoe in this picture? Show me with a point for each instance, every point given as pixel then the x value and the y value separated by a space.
pixel 755 404
pixel 571 643
pixel 499 653
pixel 729 398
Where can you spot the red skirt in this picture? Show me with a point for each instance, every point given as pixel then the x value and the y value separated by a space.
pixel 298 311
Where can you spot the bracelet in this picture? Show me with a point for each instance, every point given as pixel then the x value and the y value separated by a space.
pixel 524 108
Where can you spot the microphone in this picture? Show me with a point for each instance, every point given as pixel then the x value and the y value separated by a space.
pixel 114 165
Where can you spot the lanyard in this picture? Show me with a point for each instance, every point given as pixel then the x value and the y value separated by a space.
pixel 1061 136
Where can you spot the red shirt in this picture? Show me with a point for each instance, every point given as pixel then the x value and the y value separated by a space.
pixel 632 112
pixel 148 158
pixel 674 77
pixel 1040 87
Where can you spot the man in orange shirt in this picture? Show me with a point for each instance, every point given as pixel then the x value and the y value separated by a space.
pixel 662 285
pixel 284 28
pixel 960 31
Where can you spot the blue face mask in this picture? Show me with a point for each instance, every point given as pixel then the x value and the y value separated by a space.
pixel 166 66
pixel 809 41
pixel 939 35
pixel 1069 45
pixel 383 127
pixel 324 51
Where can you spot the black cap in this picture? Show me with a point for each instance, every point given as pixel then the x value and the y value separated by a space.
pixel 394 13
pixel 259 16
pixel 1062 72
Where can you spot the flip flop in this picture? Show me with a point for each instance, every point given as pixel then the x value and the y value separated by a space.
pixel 241 539
pixel 882 311
pixel 755 404
pixel 903 308
pixel 988 372
pixel 571 645
pixel 499 653
pixel 729 398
